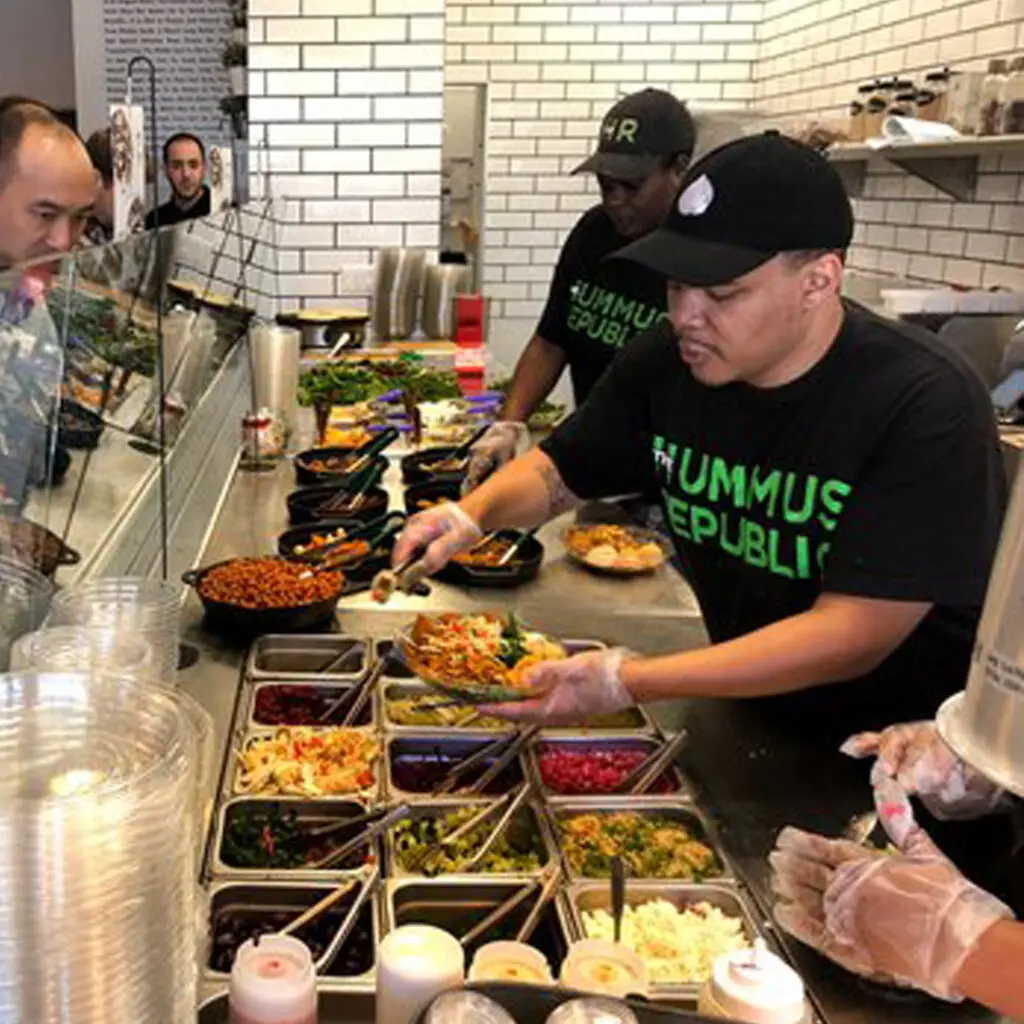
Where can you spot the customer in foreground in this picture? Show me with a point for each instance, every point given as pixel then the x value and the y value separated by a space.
pixel 832 480
pixel 909 918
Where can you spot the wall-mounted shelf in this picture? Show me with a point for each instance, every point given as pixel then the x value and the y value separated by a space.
pixel 951 165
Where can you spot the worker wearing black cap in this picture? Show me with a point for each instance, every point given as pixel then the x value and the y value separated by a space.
pixel 831 479
pixel 644 144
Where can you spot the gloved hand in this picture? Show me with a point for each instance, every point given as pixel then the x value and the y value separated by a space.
pixel 502 442
pixel 909 918
pixel 572 690
pixel 915 755
pixel 443 531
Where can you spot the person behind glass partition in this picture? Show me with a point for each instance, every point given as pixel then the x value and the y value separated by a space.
pixel 47 183
pixel 100 228
pixel 185 167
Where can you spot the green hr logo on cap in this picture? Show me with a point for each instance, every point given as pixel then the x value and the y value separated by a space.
pixel 620 129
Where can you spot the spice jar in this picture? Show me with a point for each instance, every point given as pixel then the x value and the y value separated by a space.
pixel 904 103
pixel 931 100
pixel 874 109
pixel 990 109
pixel 858 109
pixel 1013 100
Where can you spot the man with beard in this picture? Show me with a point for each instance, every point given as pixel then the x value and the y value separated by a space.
pixel 185 167
pixel 47 183
pixel 644 145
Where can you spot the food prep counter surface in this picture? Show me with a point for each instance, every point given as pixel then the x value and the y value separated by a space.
pixel 750 782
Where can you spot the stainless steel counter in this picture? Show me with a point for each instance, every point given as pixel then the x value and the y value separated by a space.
pixel 752 780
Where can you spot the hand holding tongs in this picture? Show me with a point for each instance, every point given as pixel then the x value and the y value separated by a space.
pixel 506 747
pixel 652 767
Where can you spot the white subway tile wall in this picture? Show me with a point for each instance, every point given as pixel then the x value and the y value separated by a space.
pixel 553 70
pixel 812 54
pixel 346 122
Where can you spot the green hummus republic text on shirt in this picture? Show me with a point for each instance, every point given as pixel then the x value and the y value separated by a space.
pixel 594 307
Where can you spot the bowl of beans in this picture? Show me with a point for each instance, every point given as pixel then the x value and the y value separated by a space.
pixel 266 595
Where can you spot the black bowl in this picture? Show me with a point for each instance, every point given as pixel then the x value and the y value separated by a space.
pixel 304 505
pixel 254 621
pixel 435 491
pixel 413 471
pixel 307 477
pixel 297 535
pixel 78 427
pixel 524 568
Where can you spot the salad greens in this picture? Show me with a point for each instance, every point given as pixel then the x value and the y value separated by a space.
pixel 513 642
pixel 347 383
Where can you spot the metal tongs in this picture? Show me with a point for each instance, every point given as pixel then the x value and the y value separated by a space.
pixel 652 767
pixel 522 894
pixel 359 694
pixel 506 747
pixel 509 804
pixel 365 837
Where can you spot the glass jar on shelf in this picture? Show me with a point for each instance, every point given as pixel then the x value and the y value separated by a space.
pixel 1012 112
pixel 904 103
pixel 858 111
pixel 932 97
pixel 990 107
pixel 875 107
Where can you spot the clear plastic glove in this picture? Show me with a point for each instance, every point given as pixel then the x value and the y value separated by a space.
pixel 502 443
pixel 572 690
pixel 915 756
pixel 909 918
pixel 441 532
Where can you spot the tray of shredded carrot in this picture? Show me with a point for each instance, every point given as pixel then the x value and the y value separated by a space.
pixel 478 659
pixel 309 762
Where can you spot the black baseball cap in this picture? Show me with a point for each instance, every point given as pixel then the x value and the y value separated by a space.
pixel 743 204
pixel 638 133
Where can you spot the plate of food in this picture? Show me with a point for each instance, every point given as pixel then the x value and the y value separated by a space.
pixel 477 658
pixel 616 550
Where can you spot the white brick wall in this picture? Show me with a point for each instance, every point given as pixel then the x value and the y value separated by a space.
pixel 812 56
pixel 553 69
pixel 346 109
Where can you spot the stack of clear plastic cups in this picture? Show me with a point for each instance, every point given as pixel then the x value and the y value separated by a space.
pixel 98 895
pixel 25 597
pixel 143 607
pixel 83 649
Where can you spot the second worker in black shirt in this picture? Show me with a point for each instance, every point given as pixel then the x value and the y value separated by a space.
pixel 644 145
pixel 832 480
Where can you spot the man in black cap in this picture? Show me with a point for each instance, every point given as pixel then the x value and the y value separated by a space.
pixel 644 144
pixel 831 479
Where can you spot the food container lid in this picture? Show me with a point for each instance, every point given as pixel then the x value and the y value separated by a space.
pixel 596 965
pixel 511 961
pixel 939 76
pixel 463 1007
pixel 758 987
pixel 867 88
pixel 273 981
pixel 592 1011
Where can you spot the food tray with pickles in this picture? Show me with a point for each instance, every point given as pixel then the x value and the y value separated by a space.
pixel 414 847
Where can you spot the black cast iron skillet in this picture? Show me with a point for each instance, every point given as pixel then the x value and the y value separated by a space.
pixel 297 536
pixel 304 505
pixel 435 491
pixel 307 477
pixel 78 427
pixel 231 618
pixel 523 568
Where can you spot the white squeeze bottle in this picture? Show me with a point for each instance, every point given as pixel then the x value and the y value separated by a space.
pixel 755 986
pixel 273 983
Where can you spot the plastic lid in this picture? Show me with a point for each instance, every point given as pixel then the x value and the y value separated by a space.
pixel 274 980
pixel 597 965
pixel 592 1011
pixel 758 987
pixel 464 1007
pixel 510 961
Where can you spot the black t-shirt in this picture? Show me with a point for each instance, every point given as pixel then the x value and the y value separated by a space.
pixel 876 474
pixel 171 213
pixel 594 307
